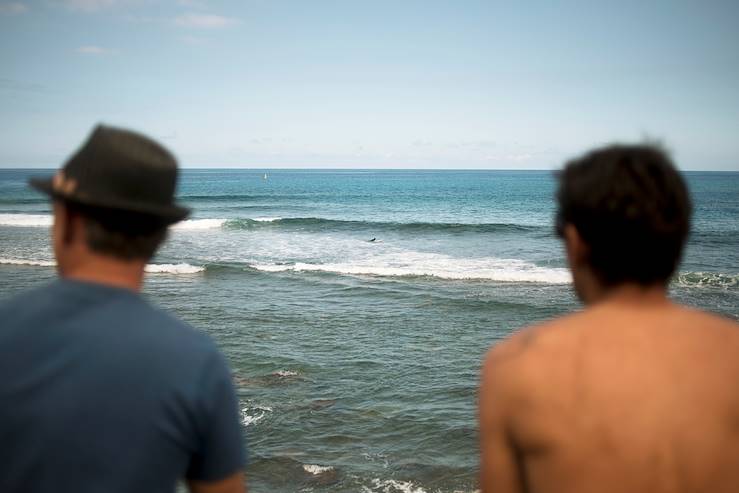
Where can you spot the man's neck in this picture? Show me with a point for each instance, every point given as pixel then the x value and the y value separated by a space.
pixel 108 271
pixel 632 295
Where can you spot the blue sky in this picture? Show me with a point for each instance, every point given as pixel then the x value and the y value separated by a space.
pixel 397 84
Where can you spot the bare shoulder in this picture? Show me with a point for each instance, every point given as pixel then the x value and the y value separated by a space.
pixel 707 318
pixel 539 336
pixel 707 326
pixel 525 351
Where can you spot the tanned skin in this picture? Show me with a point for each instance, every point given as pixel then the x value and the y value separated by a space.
pixel 633 394
pixel 76 261
pixel 236 483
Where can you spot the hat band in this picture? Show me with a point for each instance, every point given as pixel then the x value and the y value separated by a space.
pixel 63 185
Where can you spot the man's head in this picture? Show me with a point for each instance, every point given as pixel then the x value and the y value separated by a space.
pixel 624 212
pixel 81 232
pixel 113 201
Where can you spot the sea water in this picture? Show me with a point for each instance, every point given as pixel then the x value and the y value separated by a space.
pixel 355 306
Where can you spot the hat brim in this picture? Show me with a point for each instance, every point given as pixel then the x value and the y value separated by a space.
pixel 168 214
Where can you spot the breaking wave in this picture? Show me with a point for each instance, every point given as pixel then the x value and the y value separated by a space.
pixel 411 264
pixel 416 264
pixel 304 224
pixel 150 268
pixel 173 269
pixel 26 220
pixel 36 263
pixel 320 224
pixel 194 224
pixel 315 223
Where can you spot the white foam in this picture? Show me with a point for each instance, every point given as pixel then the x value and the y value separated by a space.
pixel 285 373
pixel 707 280
pixel 274 267
pixel 394 486
pixel 199 224
pixel 266 219
pixel 150 268
pixel 434 265
pixel 251 415
pixel 18 261
pixel 45 220
pixel 316 470
pixel 26 220
pixel 173 269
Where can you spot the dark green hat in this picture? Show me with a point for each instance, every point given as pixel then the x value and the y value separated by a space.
pixel 121 170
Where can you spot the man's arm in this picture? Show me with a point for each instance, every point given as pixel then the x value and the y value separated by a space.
pixel 499 469
pixel 235 483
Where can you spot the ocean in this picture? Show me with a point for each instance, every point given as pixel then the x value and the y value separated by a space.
pixel 355 306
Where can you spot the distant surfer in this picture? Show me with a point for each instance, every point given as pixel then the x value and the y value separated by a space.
pixel 372 240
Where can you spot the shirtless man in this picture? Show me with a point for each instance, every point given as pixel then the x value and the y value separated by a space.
pixel 635 393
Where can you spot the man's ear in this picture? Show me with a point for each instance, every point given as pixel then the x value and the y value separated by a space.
pixel 71 224
pixel 577 250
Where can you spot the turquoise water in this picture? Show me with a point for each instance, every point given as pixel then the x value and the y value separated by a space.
pixel 356 361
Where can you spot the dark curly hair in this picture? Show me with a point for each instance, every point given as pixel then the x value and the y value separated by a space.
pixel 631 207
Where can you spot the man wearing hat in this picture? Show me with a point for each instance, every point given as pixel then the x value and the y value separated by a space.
pixel 100 391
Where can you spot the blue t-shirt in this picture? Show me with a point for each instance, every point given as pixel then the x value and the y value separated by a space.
pixel 101 392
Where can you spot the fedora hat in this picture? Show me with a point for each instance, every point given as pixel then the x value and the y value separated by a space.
pixel 120 170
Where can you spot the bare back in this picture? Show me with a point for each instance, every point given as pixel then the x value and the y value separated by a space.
pixel 616 399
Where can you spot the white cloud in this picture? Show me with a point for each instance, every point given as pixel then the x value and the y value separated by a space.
pixel 93 50
pixel 12 8
pixel 204 21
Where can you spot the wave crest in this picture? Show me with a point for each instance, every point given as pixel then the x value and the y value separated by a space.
pixel 319 223
pixel 150 268
pixel 45 220
pixel 196 224
pixel 18 261
pixel 26 220
pixel 303 224
pixel 173 269
pixel 434 265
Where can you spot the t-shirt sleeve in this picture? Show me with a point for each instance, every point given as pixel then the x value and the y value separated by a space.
pixel 221 449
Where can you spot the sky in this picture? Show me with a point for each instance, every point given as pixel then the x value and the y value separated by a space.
pixel 372 84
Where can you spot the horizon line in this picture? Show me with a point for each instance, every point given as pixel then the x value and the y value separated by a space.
pixel 225 168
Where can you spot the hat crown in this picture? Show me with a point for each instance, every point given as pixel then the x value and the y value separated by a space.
pixel 120 164
pixel 122 170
